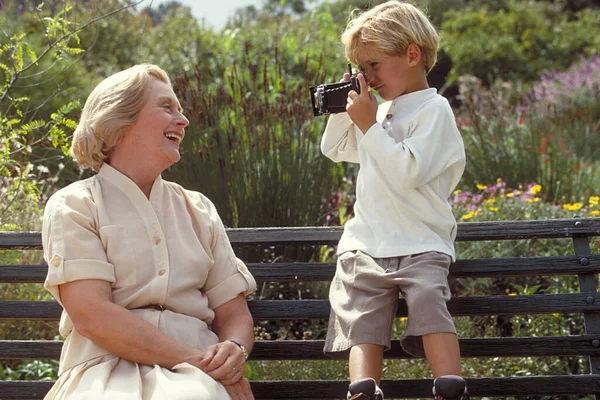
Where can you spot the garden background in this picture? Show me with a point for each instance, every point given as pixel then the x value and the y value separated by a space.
pixel 523 78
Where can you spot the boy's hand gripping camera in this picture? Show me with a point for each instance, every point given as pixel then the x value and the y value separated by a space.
pixel 331 98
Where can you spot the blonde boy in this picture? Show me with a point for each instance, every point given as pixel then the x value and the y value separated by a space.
pixel 401 239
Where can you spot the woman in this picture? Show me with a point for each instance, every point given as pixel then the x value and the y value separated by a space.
pixel 153 296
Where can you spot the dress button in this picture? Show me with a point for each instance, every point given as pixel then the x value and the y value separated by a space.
pixel 161 272
pixel 156 240
pixel 389 116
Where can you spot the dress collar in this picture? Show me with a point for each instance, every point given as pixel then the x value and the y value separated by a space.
pixel 128 186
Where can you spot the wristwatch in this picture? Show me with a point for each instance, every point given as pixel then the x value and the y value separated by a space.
pixel 241 346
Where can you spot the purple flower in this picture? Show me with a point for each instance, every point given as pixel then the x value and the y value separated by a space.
pixel 558 88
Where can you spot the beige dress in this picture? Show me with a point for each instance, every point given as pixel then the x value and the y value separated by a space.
pixel 170 249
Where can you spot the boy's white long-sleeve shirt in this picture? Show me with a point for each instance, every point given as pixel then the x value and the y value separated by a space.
pixel 410 162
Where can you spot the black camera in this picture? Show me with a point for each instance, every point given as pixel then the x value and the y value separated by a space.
pixel 331 98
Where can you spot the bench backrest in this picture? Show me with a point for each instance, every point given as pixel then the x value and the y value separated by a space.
pixel 582 263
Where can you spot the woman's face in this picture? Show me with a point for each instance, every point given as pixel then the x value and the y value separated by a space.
pixel 159 130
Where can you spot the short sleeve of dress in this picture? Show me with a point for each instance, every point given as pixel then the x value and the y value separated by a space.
pixel 229 276
pixel 72 247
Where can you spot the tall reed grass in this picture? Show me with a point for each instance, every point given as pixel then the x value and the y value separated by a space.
pixel 253 146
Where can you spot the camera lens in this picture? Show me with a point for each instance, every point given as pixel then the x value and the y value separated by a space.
pixel 319 97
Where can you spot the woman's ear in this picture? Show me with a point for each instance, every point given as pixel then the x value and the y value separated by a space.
pixel 414 54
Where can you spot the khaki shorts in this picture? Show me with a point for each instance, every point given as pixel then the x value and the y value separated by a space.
pixel 364 298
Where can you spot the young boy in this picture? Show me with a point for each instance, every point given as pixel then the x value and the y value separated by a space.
pixel 401 239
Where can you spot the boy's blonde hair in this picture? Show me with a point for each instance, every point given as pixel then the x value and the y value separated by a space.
pixel 112 107
pixel 389 28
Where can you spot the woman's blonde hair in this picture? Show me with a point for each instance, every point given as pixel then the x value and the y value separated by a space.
pixel 112 107
pixel 389 28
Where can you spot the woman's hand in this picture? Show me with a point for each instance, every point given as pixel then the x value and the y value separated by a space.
pixel 196 359
pixel 240 390
pixel 224 362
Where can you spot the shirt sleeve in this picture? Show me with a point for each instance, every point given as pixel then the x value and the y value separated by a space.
pixel 72 246
pixel 433 145
pixel 340 140
pixel 229 276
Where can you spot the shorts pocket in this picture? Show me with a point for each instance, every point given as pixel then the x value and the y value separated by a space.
pixel 119 252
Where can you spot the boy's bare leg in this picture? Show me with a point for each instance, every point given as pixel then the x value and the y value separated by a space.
pixel 443 353
pixel 366 361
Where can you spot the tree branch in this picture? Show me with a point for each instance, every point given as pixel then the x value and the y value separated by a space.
pixel 64 37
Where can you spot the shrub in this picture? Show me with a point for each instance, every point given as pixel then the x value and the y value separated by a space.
pixel 548 134
pixel 518 40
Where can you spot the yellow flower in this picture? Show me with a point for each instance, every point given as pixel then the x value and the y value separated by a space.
pixel 534 200
pixel 572 207
pixel 481 187
pixel 489 201
pixel 510 195
pixel 527 215
pixel 535 189
pixel 596 213
pixel 403 319
pixel 512 294
pixel 493 209
pixel 469 215
pixel 498 180
pixel 594 200
pixel 457 191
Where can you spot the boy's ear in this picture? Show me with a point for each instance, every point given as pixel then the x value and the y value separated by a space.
pixel 414 54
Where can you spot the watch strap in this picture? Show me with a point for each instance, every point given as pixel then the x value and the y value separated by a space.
pixel 242 347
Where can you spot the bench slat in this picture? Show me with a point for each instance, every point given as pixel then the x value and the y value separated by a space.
pixel 318 271
pixel 319 309
pixel 405 388
pixel 313 349
pixel 488 347
pixel 34 273
pixel 474 231
pixel 459 306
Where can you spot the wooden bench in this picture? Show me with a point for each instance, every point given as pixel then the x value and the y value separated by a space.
pixel 586 302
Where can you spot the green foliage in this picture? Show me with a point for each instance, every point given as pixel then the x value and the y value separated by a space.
pixel 36 370
pixel 517 42
pixel 177 43
pixel 312 40
pixel 21 133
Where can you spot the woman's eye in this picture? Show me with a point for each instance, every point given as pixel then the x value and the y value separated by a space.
pixel 374 64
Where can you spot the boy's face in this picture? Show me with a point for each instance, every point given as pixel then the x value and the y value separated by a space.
pixel 391 76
